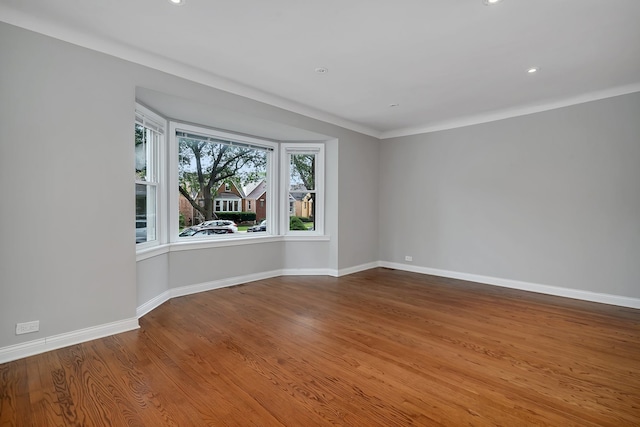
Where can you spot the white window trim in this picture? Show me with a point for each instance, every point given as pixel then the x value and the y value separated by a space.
pixel 157 123
pixel 173 193
pixel 286 149
pixel 232 202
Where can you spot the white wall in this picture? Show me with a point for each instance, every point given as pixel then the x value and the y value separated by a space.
pixel 551 198
pixel 66 166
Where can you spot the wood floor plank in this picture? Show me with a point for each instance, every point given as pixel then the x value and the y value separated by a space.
pixel 376 348
pixel 13 394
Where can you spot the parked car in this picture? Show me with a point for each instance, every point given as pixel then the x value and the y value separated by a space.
pixel 141 230
pixel 188 232
pixel 213 230
pixel 218 223
pixel 260 227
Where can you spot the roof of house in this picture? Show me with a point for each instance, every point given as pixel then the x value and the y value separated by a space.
pixel 227 196
pixel 254 190
pixel 233 183
pixel 299 196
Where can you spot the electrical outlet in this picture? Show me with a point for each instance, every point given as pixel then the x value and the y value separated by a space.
pixel 27 327
pixel 408 258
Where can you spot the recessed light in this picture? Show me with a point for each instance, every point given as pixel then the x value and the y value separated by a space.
pixel 491 2
pixel 322 70
pixel 394 105
pixel 533 70
pixel 176 2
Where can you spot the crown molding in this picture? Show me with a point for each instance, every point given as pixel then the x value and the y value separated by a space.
pixel 511 112
pixel 167 65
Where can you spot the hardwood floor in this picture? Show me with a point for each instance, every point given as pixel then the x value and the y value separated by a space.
pixel 376 348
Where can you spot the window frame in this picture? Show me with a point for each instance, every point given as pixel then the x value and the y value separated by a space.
pixel 173 193
pixel 286 150
pixel 157 124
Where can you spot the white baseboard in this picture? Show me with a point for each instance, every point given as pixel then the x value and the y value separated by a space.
pixel 523 286
pixel 41 345
pixel 308 272
pixel 357 268
pixel 153 304
pixel 222 283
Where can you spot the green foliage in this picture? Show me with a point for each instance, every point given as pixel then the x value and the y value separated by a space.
pixel 181 221
pixel 304 169
pixel 305 219
pixel 141 163
pixel 237 217
pixel 296 223
pixel 204 164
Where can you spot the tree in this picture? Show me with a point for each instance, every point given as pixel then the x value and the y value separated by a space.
pixel 303 170
pixel 204 165
pixel 141 163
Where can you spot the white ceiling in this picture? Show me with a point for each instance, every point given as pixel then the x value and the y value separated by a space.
pixel 447 63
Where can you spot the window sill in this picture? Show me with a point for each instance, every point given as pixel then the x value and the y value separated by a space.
pixel 147 253
pixel 154 251
pixel 302 238
pixel 191 244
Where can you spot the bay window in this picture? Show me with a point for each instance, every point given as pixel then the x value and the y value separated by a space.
pixel 219 184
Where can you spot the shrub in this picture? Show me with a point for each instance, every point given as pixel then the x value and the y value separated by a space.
pixel 296 223
pixel 237 217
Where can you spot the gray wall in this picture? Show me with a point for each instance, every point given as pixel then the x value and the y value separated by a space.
pixel 551 198
pixel 152 278
pixel 358 213
pixel 67 256
pixel 65 180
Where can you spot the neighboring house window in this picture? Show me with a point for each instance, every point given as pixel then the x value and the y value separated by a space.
pixel 207 161
pixel 227 206
pixel 302 173
pixel 248 205
pixel 148 143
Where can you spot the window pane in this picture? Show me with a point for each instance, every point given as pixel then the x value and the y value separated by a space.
pixel 145 213
pixel 302 215
pixel 148 131
pixel 220 175
pixel 141 147
pixel 302 185
pixel 302 172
